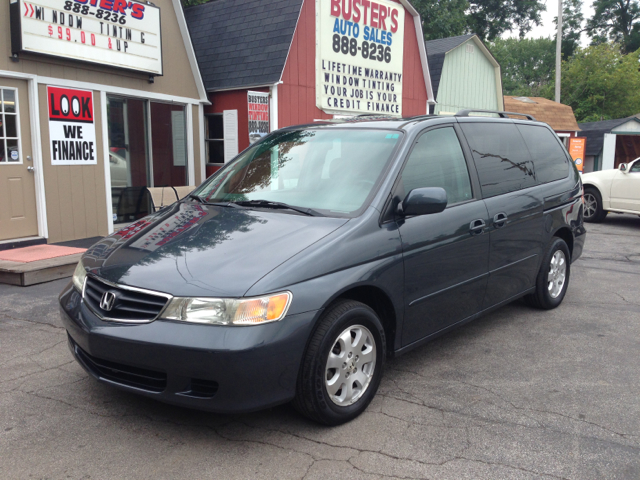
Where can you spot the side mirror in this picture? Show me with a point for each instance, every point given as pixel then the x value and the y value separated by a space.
pixel 424 201
pixel 623 167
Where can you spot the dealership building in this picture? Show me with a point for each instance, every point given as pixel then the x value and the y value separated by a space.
pixel 305 61
pixel 103 99
pixel 99 98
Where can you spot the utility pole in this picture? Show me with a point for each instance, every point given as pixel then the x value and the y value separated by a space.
pixel 559 52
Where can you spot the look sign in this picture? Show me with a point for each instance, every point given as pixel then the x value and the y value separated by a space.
pixel 72 130
pixel 359 56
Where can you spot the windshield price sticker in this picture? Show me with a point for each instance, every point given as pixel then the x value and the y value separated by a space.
pixel 120 33
pixel 359 56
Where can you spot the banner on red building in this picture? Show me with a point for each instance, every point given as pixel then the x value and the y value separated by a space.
pixel 577 149
pixel 72 129
pixel 258 115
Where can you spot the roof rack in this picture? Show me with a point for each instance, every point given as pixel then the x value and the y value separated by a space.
pixel 465 113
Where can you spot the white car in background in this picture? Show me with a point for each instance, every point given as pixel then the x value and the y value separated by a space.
pixel 612 191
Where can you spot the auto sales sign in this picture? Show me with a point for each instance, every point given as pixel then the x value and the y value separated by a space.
pixel 72 130
pixel 118 33
pixel 359 56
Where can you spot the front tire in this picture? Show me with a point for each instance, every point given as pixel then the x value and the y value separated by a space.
pixel 342 367
pixel 593 211
pixel 553 277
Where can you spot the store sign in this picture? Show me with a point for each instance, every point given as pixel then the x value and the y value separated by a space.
pixel 359 56
pixel 118 33
pixel 258 103
pixel 577 149
pixel 72 129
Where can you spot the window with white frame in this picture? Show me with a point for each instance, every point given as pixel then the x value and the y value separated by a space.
pixel 221 136
pixel 9 127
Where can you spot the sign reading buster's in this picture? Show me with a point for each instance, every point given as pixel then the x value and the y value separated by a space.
pixel 118 33
pixel 72 130
pixel 359 56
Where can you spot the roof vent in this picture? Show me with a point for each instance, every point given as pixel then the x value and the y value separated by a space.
pixel 470 48
pixel 524 100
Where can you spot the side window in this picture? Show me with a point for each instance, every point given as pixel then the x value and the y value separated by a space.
pixel 501 157
pixel 549 158
pixel 635 168
pixel 437 161
pixel 9 151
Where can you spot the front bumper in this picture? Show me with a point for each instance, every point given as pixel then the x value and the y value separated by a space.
pixel 215 368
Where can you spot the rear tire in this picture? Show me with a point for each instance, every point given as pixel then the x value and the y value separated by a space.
pixel 593 211
pixel 342 367
pixel 553 277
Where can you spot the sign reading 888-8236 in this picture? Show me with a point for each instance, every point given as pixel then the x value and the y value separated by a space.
pixel 119 33
pixel 359 56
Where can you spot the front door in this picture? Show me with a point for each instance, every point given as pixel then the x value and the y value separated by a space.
pixel 18 216
pixel 625 189
pixel 445 254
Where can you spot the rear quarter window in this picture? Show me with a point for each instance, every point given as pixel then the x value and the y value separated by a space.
pixel 501 157
pixel 549 158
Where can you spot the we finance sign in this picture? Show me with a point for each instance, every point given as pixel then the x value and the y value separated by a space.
pixel 359 56
pixel 72 129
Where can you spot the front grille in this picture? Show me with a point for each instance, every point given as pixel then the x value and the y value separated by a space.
pixel 128 306
pixel 141 378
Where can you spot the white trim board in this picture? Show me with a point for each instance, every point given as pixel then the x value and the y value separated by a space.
pixel 105 158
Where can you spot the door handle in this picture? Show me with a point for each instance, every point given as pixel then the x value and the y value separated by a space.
pixel 477 226
pixel 30 169
pixel 500 220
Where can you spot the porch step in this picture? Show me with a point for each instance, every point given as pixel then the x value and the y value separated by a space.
pixel 38 264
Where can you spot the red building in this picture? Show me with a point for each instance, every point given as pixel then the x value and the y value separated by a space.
pixel 268 65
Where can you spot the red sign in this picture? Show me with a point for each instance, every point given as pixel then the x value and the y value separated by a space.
pixel 70 105
pixel 577 149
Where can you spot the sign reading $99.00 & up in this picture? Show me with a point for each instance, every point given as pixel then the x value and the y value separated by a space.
pixel 118 33
pixel 359 56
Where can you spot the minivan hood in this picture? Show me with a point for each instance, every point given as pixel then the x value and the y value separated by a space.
pixel 204 250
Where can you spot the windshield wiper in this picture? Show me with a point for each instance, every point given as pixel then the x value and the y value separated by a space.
pixel 217 204
pixel 270 204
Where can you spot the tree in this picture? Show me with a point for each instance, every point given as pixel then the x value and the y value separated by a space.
pixel 616 20
pixel 572 20
pixel 491 18
pixel 528 65
pixel 442 19
pixel 487 18
pixel 600 83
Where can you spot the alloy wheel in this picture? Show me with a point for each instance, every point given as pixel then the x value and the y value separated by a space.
pixel 557 274
pixel 590 205
pixel 350 365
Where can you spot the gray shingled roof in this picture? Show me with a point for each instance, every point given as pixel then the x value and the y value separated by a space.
pixel 242 43
pixel 594 132
pixel 436 50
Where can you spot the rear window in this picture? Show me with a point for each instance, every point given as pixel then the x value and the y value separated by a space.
pixel 501 156
pixel 549 158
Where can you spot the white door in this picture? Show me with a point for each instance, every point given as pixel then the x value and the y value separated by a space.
pixel 625 189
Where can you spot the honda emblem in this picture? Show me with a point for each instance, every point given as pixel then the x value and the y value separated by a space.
pixel 107 301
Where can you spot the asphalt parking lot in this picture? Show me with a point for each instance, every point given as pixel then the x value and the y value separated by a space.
pixel 519 394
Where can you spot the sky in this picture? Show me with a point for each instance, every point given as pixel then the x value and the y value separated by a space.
pixel 548 28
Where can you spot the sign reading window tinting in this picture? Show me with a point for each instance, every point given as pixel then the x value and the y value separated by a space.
pixel 118 33
pixel 359 56
pixel 72 130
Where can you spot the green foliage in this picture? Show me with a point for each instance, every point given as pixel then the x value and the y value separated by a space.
pixel 491 18
pixel 600 83
pixel 442 19
pixel 572 20
pixel 487 18
pixel 616 20
pixel 528 66
pixel 191 3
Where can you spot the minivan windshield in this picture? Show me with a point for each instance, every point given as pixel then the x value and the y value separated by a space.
pixel 330 171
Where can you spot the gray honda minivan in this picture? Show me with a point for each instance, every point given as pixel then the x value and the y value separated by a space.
pixel 298 268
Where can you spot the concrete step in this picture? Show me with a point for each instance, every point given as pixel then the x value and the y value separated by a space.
pixel 40 271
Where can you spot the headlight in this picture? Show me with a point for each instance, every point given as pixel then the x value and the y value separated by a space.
pixel 229 311
pixel 79 275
